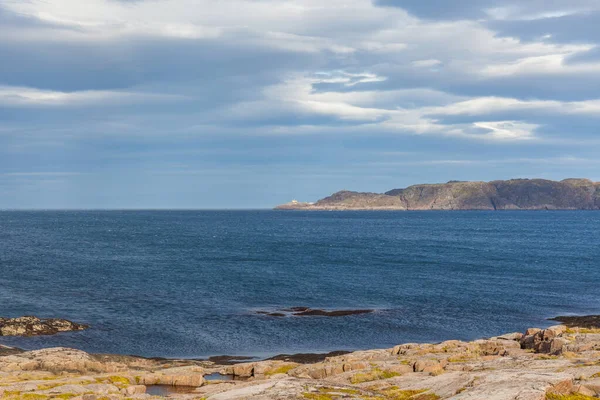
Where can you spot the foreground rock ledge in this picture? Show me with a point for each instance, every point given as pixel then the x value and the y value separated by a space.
pixel 34 326
pixel 553 364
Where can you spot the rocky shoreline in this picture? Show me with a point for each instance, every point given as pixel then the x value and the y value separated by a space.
pixel 556 363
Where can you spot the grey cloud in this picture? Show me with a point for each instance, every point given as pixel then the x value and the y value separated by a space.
pixel 475 9
pixel 579 28
pixel 126 63
pixel 441 9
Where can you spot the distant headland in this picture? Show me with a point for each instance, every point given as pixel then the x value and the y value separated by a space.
pixel 514 194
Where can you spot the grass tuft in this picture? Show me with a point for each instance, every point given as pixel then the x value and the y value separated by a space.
pixel 373 375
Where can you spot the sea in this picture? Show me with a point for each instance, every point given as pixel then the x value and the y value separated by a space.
pixel 189 284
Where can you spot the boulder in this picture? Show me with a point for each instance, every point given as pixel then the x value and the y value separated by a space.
pixel 557 346
pixel 532 331
pixel 499 347
pixel 431 366
pixel 243 370
pixel 516 336
pixel 133 390
pixel 182 376
pixel 592 385
pixel 542 340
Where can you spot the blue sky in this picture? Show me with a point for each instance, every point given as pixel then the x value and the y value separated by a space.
pixel 251 103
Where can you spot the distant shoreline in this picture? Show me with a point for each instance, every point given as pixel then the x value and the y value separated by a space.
pixel 515 194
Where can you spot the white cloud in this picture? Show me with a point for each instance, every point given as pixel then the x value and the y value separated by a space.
pixel 354 46
pixel 24 96
pixel 519 14
pixel 541 65
pixel 426 63
pixel 490 105
pixel 386 111
pixel 508 130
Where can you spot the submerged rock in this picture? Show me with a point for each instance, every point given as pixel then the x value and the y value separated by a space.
pixel 335 313
pixel 34 326
pixel 310 312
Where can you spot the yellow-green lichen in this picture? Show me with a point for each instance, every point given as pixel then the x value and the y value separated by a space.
pixel 575 396
pixel 119 380
pixel 64 396
pixel 329 393
pixel 317 396
pixel 583 330
pixel 15 395
pixel 373 375
pixel 395 393
pixel 284 369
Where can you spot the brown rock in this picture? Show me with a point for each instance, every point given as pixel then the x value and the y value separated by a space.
pixel 557 346
pixel 355 366
pixel 427 365
pixel 553 331
pixel 498 347
pixel 532 331
pixel 563 387
pixel 582 389
pixel 402 349
pixel 593 385
pixel 516 336
pixel 243 370
pixel 134 389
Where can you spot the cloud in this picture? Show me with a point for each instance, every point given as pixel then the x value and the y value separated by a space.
pixel 508 130
pixel 550 64
pixel 427 63
pixel 116 88
pixel 23 97
pixel 494 9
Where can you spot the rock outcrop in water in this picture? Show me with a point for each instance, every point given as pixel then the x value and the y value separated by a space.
pixel 588 321
pixel 542 364
pixel 515 194
pixel 33 326
pixel 311 312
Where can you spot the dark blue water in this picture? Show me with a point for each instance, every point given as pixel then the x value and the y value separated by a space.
pixel 187 284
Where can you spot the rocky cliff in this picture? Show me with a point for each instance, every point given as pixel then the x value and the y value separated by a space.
pixel 514 194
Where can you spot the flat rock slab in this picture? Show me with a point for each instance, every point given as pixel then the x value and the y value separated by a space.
pixel 34 326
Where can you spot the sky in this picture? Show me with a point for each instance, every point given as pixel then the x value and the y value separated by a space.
pixel 252 103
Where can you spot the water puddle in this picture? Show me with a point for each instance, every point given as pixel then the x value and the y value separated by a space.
pixel 167 390
pixel 221 377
